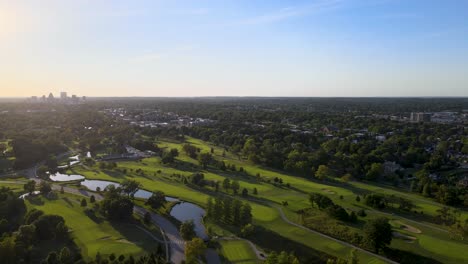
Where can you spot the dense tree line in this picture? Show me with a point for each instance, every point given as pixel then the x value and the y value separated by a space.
pixel 23 233
pixel 326 204
pixel 230 211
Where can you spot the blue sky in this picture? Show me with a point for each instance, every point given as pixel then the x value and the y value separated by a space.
pixel 234 48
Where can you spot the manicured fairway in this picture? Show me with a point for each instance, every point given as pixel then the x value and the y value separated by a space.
pixel 97 236
pixel 238 251
pixel 158 176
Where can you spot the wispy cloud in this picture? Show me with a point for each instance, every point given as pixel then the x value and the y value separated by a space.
pixel 125 13
pixel 157 56
pixel 193 11
pixel 292 12
pixel 149 57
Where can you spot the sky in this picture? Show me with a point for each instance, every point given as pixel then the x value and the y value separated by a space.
pixel 234 48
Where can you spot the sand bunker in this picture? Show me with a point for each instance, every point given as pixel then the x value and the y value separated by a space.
pixel 406 238
pixel 408 228
pixel 125 241
pixel 328 191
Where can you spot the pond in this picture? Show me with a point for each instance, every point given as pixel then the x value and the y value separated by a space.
pixel 143 194
pixel 183 211
pixel 188 211
pixel 60 177
pixel 73 160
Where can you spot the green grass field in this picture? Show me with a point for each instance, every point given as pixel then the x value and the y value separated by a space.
pixel 94 236
pixel 297 197
pixel 238 251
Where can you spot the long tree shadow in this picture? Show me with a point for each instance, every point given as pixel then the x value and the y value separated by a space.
pixel 68 201
pixel 132 235
pixel 269 241
pixel 35 199
pixel 406 257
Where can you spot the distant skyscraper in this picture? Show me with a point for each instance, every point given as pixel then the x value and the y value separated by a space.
pixel 420 117
pixel 51 97
pixel 63 95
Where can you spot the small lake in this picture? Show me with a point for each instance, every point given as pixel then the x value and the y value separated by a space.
pixel 189 211
pixel 73 160
pixel 183 211
pixel 143 194
pixel 60 177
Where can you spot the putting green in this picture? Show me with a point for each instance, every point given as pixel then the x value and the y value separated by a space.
pixel 238 251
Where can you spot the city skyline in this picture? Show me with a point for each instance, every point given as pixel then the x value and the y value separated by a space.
pixel 335 48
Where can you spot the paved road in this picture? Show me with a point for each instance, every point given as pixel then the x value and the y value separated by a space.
pixel 174 242
pixel 212 256
pixel 169 230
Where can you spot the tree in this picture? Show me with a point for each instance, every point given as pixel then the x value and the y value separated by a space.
pixel 130 187
pixel 197 179
pixel 83 202
pixel 346 178
pixel 92 199
pixel 147 218
pixel 358 199
pixel 246 214
pixel 245 192
pixel 227 210
pixel 156 200
pixel 352 217
pixel 26 234
pixel 205 159
pixel 30 186
pixel 190 150
pixel 193 249
pixel 187 230
pixel 375 171
pixel 255 192
pixel 7 250
pixel 248 230
pixel 236 212
pixel 44 187
pixel 52 258
pixel 320 200
pixel 116 207
pixel 169 157
pixel 378 233
pixel 3 225
pixel 217 209
pixel 376 200
pixel 323 172
pixel 65 256
pixel 235 186
pixel 209 207
pixel 226 184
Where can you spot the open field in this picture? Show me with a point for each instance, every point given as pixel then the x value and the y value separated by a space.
pixel 238 252
pixel 96 235
pixel 158 176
